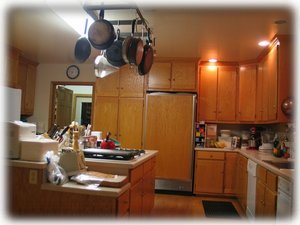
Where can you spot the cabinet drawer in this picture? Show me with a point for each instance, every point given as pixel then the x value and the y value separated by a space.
pixel 210 155
pixel 136 174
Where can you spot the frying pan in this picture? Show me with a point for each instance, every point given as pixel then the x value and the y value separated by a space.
pixel 126 43
pixel 101 33
pixel 114 52
pixel 135 50
pixel 147 59
pixel 82 47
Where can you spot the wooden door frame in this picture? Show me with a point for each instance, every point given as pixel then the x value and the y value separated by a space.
pixel 53 85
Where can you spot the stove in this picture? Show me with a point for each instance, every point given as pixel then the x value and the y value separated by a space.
pixel 117 154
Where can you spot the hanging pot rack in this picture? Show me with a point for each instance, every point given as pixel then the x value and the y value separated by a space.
pixel 93 11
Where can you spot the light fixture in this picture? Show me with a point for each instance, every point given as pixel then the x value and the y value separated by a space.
pixel 212 60
pixel 102 67
pixel 74 15
pixel 263 43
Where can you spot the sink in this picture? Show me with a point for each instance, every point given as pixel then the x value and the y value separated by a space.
pixel 281 164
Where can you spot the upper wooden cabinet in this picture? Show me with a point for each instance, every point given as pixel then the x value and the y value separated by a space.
pixel 247 93
pixel 217 93
pixel 172 75
pixel 124 83
pixel 22 75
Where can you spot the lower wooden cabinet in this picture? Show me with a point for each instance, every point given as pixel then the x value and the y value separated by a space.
pixel 142 179
pixel 215 173
pixel 242 181
pixel 266 193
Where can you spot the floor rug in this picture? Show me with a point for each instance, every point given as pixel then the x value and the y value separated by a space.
pixel 219 209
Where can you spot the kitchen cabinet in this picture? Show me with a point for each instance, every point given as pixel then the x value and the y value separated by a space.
pixel 173 75
pixel 219 165
pixel 247 93
pixel 230 173
pixel 266 193
pixel 22 75
pixel 242 181
pixel 119 105
pixel 13 66
pixel 124 83
pixel 217 93
pixel 266 100
pixel 209 165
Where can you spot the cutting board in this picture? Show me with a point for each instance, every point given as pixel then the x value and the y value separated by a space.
pixel 109 180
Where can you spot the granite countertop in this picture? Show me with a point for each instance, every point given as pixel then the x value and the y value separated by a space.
pixel 258 157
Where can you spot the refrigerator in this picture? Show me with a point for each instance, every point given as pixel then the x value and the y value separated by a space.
pixel 169 125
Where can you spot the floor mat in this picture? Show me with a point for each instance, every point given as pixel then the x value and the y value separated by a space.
pixel 219 209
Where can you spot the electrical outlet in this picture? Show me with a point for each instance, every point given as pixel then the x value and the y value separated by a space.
pixel 33 176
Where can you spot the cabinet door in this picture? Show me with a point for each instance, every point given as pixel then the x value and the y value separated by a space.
pixel 105 115
pixel 260 198
pixel 160 76
pixel 107 86
pixel 148 195
pixel 205 171
pixel 207 107
pixel 227 78
pixel 270 203
pixel 260 104
pixel 247 93
pixel 230 169
pixel 183 76
pixel 131 122
pixel 30 89
pixel 136 199
pixel 272 84
pixel 131 84
pixel 13 67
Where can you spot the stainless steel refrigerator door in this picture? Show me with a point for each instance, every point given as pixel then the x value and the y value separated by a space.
pixel 169 128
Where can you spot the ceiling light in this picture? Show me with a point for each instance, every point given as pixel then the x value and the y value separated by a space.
pixel 212 60
pixel 74 16
pixel 263 43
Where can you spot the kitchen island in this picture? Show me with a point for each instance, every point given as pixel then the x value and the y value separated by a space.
pixel 30 194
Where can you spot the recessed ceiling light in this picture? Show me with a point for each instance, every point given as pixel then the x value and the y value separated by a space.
pixel 212 60
pixel 263 43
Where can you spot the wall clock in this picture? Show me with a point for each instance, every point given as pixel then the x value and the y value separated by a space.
pixel 72 72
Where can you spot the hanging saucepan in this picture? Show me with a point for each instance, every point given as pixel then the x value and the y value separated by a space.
pixel 101 33
pixel 126 43
pixel 147 59
pixel 114 53
pixel 287 106
pixel 82 47
pixel 135 50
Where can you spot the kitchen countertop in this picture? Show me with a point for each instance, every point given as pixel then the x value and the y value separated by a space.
pixel 73 187
pixel 124 164
pixel 258 157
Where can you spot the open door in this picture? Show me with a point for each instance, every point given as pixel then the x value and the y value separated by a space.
pixel 63 110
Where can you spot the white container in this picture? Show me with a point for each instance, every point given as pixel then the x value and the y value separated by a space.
pixel 35 150
pixel 226 140
pixel 16 132
pixel 98 134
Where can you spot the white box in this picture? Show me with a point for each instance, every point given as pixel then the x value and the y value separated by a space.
pixel 17 131
pixel 35 150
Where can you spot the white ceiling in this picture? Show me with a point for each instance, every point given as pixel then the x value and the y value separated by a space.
pixel 229 34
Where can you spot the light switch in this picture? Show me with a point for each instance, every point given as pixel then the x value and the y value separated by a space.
pixel 33 176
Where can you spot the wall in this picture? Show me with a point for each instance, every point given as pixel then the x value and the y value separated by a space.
pixel 46 73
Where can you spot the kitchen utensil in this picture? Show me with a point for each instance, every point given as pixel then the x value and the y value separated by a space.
pixel 114 52
pixel 101 33
pixel 147 59
pixel 126 43
pixel 82 47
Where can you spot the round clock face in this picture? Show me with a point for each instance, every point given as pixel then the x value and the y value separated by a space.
pixel 72 72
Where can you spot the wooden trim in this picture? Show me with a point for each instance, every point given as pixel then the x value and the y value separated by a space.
pixel 219 63
pixel 176 59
